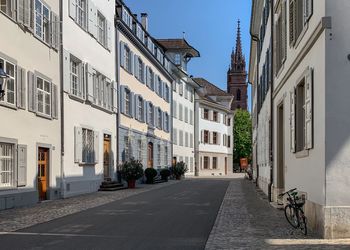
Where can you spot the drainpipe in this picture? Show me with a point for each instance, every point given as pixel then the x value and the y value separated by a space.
pixel 271 102
pixel 117 72
pixel 61 98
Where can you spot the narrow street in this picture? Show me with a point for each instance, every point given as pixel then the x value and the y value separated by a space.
pixel 191 214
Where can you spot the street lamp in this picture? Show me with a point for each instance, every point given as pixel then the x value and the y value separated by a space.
pixel 3 81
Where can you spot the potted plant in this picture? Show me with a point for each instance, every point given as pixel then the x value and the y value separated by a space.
pixel 165 173
pixel 150 173
pixel 179 170
pixel 131 171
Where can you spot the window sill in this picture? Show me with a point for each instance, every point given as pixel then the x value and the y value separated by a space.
pixel 101 108
pixel 48 117
pixel 76 98
pixel 13 188
pixel 302 154
pixel 7 105
pixel 84 164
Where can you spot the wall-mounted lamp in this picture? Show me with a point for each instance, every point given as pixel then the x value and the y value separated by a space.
pixel 3 81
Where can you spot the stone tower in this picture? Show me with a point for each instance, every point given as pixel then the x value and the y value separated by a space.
pixel 237 75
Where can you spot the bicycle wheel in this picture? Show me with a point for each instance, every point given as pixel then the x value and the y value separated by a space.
pixel 302 221
pixel 291 216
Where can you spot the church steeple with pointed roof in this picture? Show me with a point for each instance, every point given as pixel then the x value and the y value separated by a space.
pixel 237 74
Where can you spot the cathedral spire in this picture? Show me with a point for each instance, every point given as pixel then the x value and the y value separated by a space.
pixel 237 58
pixel 238 51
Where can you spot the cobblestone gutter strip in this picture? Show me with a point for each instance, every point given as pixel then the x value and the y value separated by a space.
pixel 19 218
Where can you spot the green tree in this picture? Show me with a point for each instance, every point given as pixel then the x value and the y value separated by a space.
pixel 242 135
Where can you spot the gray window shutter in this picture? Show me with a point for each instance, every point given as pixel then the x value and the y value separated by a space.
pixel 122 101
pixel 132 104
pixel 308 9
pixel 31 92
pixel 174 109
pixel 144 73
pixel 121 55
pixel 284 31
pixel 115 96
pixel 72 8
pixel 55 30
pixel 21 88
pixel 292 22
pixel 109 35
pixel 131 63
pixel 96 146
pixel 292 120
pixel 92 13
pixel 147 76
pixel 145 114
pixel 54 100
pixel 136 67
pixel 309 109
pixel 66 71
pixel 90 82
pixel 136 113
pixel 20 11
pixel 78 143
pixel 21 165
pixel 154 116
pixel 164 122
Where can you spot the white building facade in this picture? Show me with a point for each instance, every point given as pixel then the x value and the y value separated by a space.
pixel 180 53
pixel 214 130
pixel 90 95
pixel 30 108
pixel 310 124
pixel 144 79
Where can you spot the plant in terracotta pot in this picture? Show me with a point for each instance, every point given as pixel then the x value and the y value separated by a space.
pixel 150 174
pixel 179 170
pixel 165 173
pixel 131 171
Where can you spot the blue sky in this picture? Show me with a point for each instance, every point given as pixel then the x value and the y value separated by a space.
pixel 209 26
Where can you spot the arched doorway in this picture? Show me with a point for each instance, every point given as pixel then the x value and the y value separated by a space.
pixel 150 155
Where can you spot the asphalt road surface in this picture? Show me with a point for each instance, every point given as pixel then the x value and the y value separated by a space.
pixel 178 216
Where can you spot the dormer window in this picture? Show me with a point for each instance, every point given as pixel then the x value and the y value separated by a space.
pixel 177 59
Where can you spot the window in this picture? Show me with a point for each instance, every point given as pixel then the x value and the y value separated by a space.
pixel 300 11
pixel 150 78
pixel 10 91
pixel 181 138
pixel 102 91
pixel 7 165
pixel 127 58
pixel 166 92
pixel 300 116
pixel 160 118
pixel 174 109
pixel 180 112
pixel 159 86
pixel 238 95
pixel 159 153
pixel 166 155
pixel 191 117
pixel 127 102
pixel 186 139
pixel 126 148
pixel 206 114
pixel 88 146
pixel 6 6
pixel 229 141
pixel 215 162
pixel 42 21
pixel 43 96
pixel 181 88
pixel 76 77
pixel 280 37
pixel 175 136
pixel 215 116
pixel 191 140
pixel 206 162
pixel 174 86
pixel 126 17
pixel 177 59
pixel 166 122
pixel 206 136
pixel 186 91
pixel 215 138
pixel 140 72
pixel 140 109
pixel 186 114
pixel 139 152
pixel 81 13
pixel 101 29
pixel 228 121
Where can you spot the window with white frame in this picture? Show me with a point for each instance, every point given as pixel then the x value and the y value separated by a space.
pixel 43 96
pixel 42 21
pixel 81 16
pixel 127 101
pixel 10 91
pixel 88 146
pixel 150 78
pixel 140 108
pixel 186 139
pixel 180 112
pixel 140 70
pixel 300 12
pixel 76 77
pixel 101 29
pixel 103 90
pixel 126 149
pixel 7 7
pixel 206 163
pixel 166 122
pixel 127 58
pixel 215 162
pixel 167 92
pixel 126 17
pixel 159 86
pixel 160 118
pixel 7 165
pixel 186 114
pixel 181 138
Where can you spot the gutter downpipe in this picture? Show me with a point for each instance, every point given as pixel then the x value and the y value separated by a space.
pixel 117 72
pixel 61 99
pixel 271 102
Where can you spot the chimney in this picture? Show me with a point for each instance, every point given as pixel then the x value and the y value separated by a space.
pixel 144 21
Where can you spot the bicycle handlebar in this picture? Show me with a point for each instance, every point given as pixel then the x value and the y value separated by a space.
pixel 283 194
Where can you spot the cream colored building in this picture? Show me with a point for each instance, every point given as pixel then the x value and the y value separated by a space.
pixel 30 109
pixel 144 79
pixel 213 131
pixel 310 107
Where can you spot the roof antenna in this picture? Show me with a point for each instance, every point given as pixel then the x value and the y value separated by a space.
pixel 183 34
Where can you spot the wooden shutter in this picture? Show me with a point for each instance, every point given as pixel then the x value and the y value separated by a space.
pixel 92 14
pixel 122 54
pixel 21 88
pixel 292 20
pixel 292 120
pixel 31 92
pixel 54 100
pixel 21 165
pixel 109 39
pixel 20 11
pixel 90 82
pixel 78 143
pixel 72 8
pixel 96 146
pixel 55 30
pixel 308 10
pixel 309 109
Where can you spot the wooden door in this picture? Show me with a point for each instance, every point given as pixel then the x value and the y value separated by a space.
pixel 43 177
pixel 150 155
pixel 280 148
pixel 106 156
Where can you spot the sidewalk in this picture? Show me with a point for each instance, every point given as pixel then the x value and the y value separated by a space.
pixel 18 218
pixel 247 221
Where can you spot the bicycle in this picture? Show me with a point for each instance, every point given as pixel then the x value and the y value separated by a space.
pixel 294 210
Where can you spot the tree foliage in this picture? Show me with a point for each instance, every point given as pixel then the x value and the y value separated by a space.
pixel 242 134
